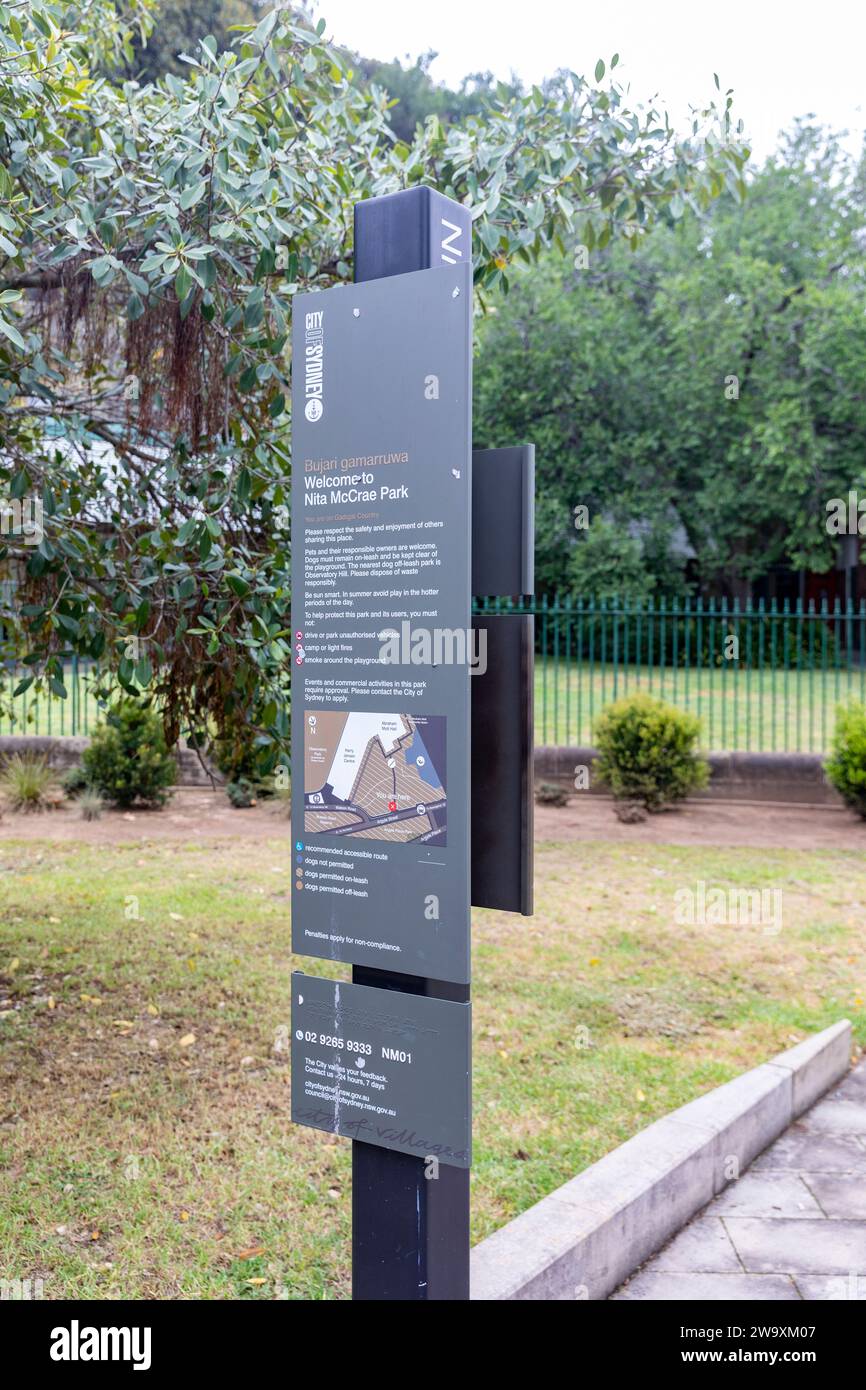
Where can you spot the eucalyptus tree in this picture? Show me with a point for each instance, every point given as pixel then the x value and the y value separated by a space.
pixel 152 237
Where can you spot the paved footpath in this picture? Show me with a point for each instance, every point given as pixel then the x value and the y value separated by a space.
pixel 792 1227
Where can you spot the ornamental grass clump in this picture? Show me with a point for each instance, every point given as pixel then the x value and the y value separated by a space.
pixel 26 780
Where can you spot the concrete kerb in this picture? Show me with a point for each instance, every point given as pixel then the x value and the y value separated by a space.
pixel 66 751
pixel 796 778
pixel 814 1065
pixel 584 1239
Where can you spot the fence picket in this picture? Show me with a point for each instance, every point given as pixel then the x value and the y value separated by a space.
pixel 793 665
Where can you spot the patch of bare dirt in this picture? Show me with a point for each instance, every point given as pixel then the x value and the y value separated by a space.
pixel 198 813
pixel 193 813
pixel 754 824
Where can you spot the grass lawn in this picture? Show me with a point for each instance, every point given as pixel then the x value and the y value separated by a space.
pixel 763 711
pixel 744 709
pixel 145 1146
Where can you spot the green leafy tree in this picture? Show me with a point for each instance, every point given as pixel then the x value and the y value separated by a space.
pixel 701 396
pixel 179 28
pixel 152 237
pixel 414 95
pixel 609 564
pixel 567 364
pixel 761 349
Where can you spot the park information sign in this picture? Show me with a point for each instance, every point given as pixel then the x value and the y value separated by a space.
pixel 381 489
pixel 389 1068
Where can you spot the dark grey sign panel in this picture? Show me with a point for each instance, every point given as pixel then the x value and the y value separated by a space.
pixel 503 520
pixel 381 501
pixel 389 1068
pixel 502 765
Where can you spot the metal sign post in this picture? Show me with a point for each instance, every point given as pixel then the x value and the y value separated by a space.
pixel 382 574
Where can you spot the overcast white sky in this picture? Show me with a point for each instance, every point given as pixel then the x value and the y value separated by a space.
pixel 782 59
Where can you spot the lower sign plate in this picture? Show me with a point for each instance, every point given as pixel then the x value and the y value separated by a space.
pixel 383 1066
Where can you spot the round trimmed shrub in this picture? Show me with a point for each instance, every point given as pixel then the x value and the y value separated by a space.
pixel 127 760
pixel 74 781
pixel 647 751
pixel 846 766
pixel 551 794
pixel 238 759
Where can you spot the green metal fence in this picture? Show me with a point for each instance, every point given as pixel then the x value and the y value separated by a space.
pixel 41 713
pixel 762 677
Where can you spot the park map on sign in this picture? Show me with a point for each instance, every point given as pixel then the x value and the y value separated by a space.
pixel 375 776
